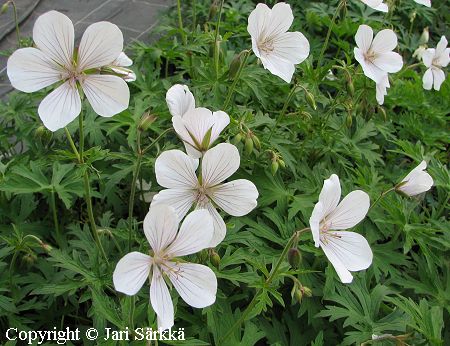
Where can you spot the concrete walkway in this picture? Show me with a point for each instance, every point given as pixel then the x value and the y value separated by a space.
pixel 134 17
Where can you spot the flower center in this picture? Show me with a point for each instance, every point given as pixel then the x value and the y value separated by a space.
pixel 325 234
pixel 201 197
pixel 369 55
pixel 266 45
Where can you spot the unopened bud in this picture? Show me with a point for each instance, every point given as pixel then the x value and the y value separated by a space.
pixel 215 258
pixel 282 163
pixel 146 121
pixel 294 257
pixel 298 294
pixel 350 87
pixel 248 147
pixel 29 259
pixel 237 139
pixel 41 132
pixel 425 36
pixel 349 120
pixel 310 100
pixel 306 291
pixel 274 167
pixel 46 247
pixel 4 7
pixel 234 66
pixel 256 142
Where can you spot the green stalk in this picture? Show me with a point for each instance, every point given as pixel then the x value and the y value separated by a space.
pixel 55 217
pixel 216 40
pixel 269 279
pixel 180 23
pixel 380 197
pixel 16 22
pixel 133 189
pixel 283 110
pixel 236 79
pixel 330 28
pixel 147 148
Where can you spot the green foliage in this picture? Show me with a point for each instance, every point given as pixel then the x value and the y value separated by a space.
pixel 330 125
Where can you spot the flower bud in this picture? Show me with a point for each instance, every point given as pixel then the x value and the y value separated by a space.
pixel 306 291
pixel 349 120
pixel 282 163
pixel 425 36
pixel 248 147
pixel 310 100
pixel 294 257
pixel 214 258
pixel 256 142
pixel 47 248
pixel 237 139
pixel 4 7
pixel 146 121
pixel 298 294
pixel 234 66
pixel 29 259
pixel 350 87
pixel 274 167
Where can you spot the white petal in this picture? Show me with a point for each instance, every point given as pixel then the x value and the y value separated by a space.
pixel 344 274
pixel 279 67
pixel 160 226
pixel 376 5
pixel 53 34
pixel 30 70
pixel 161 301
pixel 330 194
pixel 123 60
pixel 60 107
pixel 220 121
pixel 317 216
pixel 419 168
pixel 417 181
pixel 195 283
pixel 179 199
pixel 175 169
pixel 351 249
pixel 384 41
pixel 280 21
pixel 442 52
pixel 389 62
pixel 220 229
pixel 381 89
pixel 195 234
pixel 179 100
pixel 108 95
pixel 428 56
pixel 237 198
pixel 364 37
pixel 292 47
pixel 100 45
pixel 219 163
pixel 258 20
pixel 439 78
pixel 352 209
pixel 427 79
pixel 424 2
pixel 131 272
pixel 369 69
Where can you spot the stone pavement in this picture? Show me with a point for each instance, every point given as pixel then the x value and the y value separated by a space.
pixel 134 17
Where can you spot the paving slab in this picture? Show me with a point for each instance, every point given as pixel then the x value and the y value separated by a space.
pixel 134 17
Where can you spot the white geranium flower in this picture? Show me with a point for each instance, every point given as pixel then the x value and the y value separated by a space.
pixel 175 171
pixel 199 128
pixel 195 283
pixel 375 54
pixel 378 5
pixel 278 49
pixel 417 181
pixel 435 60
pixel 381 89
pixel 179 100
pixel 424 2
pixel 347 251
pixel 55 60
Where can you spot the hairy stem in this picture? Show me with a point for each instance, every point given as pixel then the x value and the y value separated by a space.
pixel 216 40
pixel 133 190
pixel 384 193
pixel 269 279
pixel 55 216
pixel 180 23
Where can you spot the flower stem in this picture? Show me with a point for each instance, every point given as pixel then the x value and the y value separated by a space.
pixel 55 216
pixel 330 28
pixel 380 197
pixel 283 110
pixel 148 147
pixel 72 144
pixel 216 40
pixel 180 23
pixel 236 79
pixel 16 22
pixel 269 279
pixel 133 190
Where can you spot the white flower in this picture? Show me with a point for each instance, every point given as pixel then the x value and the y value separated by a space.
pixel 378 5
pixel 347 251
pixel 424 2
pixel 55 60
pixel 199 128
pixel 278 49
pixel 179 100
pixel 381 89
pixel 375 54
pixel 119 66
pixel 417 181
pixel 195 283
pixel 435 60
pixel 176 172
